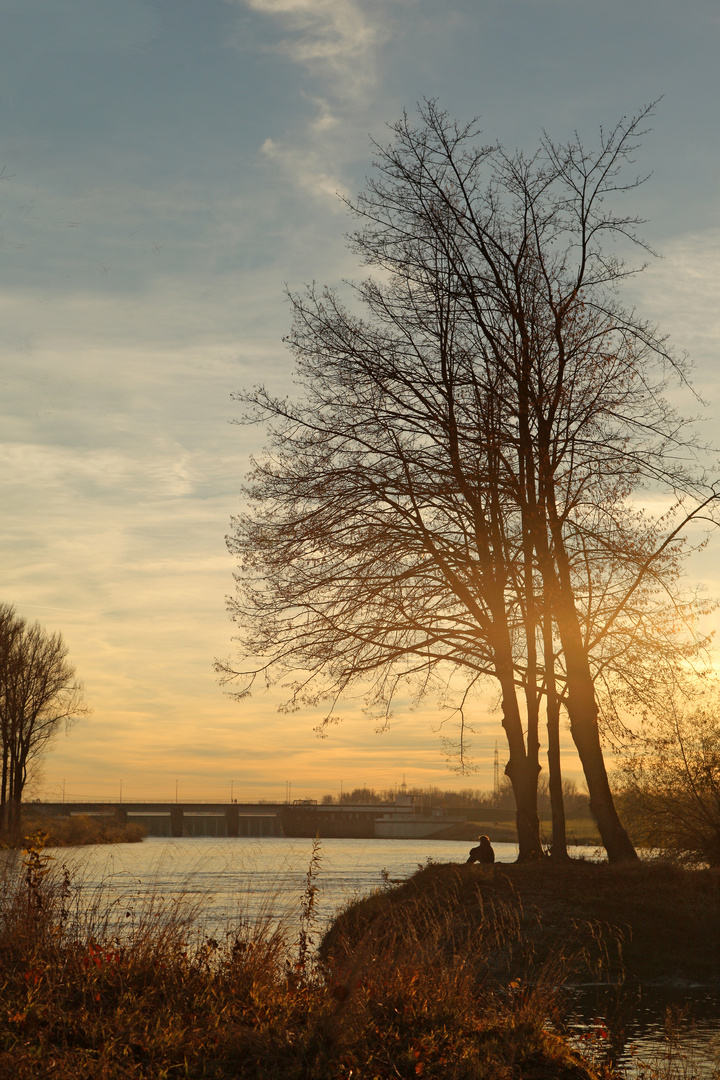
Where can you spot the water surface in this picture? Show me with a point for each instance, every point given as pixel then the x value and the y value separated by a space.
pixel 249 877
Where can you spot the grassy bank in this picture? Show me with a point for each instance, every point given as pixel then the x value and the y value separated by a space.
pixel 581 831
pixel 580 936
pixel 652 923
pixel 138 993
pixel 78 830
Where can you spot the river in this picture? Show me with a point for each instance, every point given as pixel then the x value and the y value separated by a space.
pixel 221 882
pixel 247 878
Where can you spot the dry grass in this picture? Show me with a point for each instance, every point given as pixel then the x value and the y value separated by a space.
pixel 77 830
pixel 413 997
pixel 550 928
pixel 657 922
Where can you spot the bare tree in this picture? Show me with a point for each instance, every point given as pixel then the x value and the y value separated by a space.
pixel 670 780
pixel 394 578
pixel 426 503
pixel 38 696
pixel 641 630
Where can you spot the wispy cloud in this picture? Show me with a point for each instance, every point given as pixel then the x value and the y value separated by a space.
pixel 333 38
pixel 306 167
pixel 680 292
pixel 337 45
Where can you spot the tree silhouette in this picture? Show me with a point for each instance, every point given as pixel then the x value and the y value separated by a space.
pixel 38 695
pixel 455 476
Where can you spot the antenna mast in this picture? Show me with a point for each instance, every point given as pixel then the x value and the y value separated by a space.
pixel 496 777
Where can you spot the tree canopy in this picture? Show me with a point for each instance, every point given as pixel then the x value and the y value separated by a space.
pixel 454 489
pixel 39 694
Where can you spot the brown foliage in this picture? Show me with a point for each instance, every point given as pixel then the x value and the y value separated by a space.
pixel 154 998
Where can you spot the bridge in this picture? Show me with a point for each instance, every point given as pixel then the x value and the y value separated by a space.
pixel 176 819
pixel 302 818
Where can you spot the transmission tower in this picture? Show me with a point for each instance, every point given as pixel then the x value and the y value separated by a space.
pixel 496 776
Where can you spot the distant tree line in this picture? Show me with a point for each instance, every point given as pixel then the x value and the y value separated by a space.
pixel 577 803
pixel 39 695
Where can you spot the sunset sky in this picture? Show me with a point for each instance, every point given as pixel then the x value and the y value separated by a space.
pixel 168 166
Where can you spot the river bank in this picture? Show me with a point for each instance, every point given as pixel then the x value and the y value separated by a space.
pixel 76 830
pixel 596 943
pixel 659 923
pixel 84 997
pixel 456 973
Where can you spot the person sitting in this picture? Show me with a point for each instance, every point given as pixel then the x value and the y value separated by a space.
pixel 483 853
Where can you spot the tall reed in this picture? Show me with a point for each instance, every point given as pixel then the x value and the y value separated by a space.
pixel 431 990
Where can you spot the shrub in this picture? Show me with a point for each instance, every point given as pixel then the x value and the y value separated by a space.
pixel 670 783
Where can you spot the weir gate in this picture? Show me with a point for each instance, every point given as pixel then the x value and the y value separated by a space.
pixel 178 819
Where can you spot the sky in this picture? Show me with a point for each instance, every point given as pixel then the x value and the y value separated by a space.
pixel 168 167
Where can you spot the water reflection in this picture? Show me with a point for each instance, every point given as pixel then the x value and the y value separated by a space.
pixel 669 1031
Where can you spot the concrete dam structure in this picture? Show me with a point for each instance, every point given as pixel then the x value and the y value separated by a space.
pixel 179 819
pixel 402 820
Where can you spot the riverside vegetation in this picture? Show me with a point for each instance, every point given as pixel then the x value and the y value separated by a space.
pixel 78 830
pixel 457 973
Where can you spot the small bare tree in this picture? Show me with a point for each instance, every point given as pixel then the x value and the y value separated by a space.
pixel 670 781
pixel 38 696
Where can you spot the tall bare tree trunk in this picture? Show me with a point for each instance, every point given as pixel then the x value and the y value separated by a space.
pixel 583 711
pixel 523 766
pixel 557 804
pixel 522 770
